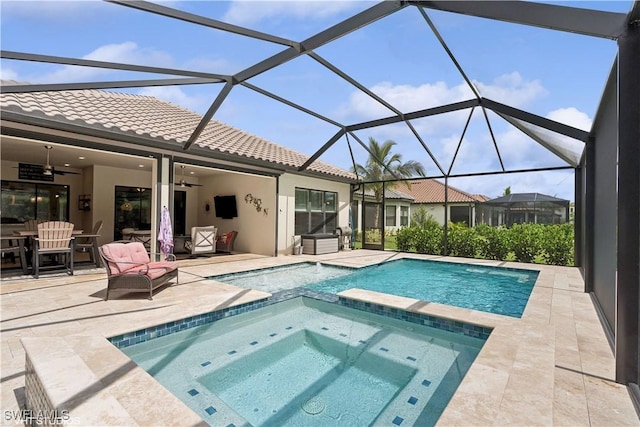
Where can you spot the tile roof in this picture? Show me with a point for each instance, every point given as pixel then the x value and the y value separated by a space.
pixel 432 191
pixel 389 193
pixel 152 117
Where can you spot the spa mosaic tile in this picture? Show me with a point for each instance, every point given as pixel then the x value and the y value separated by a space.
pixel 147 334
pixel 457 327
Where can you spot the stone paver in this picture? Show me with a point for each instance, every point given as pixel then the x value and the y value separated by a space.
pixel 552 367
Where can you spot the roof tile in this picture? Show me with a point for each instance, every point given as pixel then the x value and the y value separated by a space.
pixel 432 191
pixel 145 115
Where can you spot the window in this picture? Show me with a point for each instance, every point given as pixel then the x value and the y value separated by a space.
pixel 404 216
pixel 316 211
pixel 390 218
pixel 22 201
pixel 460 214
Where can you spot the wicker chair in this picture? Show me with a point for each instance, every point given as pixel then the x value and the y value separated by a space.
pixel 54 238
pixel 226 240
pixel 130 268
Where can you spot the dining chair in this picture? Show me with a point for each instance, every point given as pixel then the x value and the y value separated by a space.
pixel 89 243
pixel 14 245
pixel 54 238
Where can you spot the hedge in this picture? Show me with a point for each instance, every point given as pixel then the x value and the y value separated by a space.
pixel 540 243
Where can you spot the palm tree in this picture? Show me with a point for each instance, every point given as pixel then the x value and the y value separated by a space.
pixel 382 165
pixel 394 168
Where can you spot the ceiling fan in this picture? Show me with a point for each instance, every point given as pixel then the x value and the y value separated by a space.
pixel 47 169
pixel 182 182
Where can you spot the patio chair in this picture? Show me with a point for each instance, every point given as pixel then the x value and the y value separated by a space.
pixel 203 240
pixel 89 243
pixel 226 240
pixel 54 238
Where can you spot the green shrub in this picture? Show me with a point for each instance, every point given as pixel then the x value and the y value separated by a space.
pixel 493 242
pixel 526 241
pixel 537 243
pixel 462 241
pixel 557 244
pixel 428 240
pixel 405 239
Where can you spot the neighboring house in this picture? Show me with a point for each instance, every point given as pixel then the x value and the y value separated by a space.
pixel 123 155
pixel 430 195
pixel 397 209
pixel 518 208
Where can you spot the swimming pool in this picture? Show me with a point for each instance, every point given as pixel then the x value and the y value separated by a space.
pixel 312 363
pixel 492 289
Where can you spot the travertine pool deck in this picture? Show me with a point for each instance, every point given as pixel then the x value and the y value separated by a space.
pixel 551 367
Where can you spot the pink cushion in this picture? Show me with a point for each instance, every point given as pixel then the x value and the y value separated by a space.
pixel 125 256
pixel 154 269
pixel 226 237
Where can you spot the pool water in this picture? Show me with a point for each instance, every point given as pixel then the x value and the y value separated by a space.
pixel 305 362
pixel 496 290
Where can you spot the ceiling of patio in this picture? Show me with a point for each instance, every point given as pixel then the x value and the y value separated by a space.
pixel 314 58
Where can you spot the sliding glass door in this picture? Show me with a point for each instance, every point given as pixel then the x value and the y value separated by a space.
pixel 132 209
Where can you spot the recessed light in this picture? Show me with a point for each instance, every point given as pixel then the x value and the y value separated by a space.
pixel 192 173
pixel 67 164
pixel 140 166
pixel 80 157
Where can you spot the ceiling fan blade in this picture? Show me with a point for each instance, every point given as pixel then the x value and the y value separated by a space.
pixel 57 172
pixel 192 185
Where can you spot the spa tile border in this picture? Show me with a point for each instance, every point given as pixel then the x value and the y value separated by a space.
pixel 146 334
pixel 454 326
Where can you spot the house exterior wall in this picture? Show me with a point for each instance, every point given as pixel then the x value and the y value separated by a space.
pixel 286 206
pixel 256 231
pixel 437 211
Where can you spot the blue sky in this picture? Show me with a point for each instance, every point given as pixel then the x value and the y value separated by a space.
pixel 549 73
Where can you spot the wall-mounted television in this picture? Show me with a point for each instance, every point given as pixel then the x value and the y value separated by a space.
pixel 225 207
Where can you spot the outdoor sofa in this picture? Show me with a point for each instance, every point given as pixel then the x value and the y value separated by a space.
pixel 130 268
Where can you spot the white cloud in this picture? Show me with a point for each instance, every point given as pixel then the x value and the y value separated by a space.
pixel 511 89
pixel 571 116
pixel 250 12
pixel 126 52
pixel 8 74
pixel 174 94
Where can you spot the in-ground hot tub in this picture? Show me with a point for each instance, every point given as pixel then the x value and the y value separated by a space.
pixel 318 244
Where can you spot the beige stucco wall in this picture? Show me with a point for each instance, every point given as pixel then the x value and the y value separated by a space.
pixel 256 230
pixel 286 217
pixel 105 179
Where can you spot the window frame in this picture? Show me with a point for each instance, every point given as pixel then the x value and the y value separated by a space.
pixel 315 218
